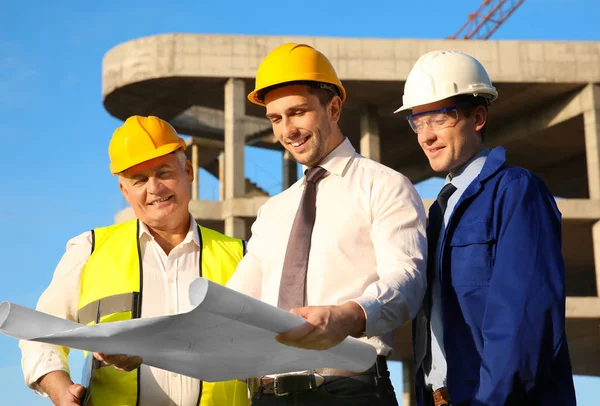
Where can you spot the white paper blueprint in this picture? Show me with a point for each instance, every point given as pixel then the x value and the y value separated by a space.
pixel 227 335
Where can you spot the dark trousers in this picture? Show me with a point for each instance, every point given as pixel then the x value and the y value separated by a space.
pixel 363 390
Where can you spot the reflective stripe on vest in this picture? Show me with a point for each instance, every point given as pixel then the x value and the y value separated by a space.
pixel 111 290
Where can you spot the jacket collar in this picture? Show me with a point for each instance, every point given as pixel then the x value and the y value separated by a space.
pixel 495 160
pixel 469 171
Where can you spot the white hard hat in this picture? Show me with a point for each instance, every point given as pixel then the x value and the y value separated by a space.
pixel 438 75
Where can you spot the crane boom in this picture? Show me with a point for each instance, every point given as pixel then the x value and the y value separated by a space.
pixel 487 19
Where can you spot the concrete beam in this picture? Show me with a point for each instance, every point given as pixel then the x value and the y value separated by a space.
pixel 548 116
pixel 571 209
pixel 199 118
pixel 244 207
pixel 238 207
pixel 369 133
pixel 209 210
pixel 263 138
pixel 224 56
pixel 583 307
pixel 235 179
pixel 205 143
pixel 208 124
pixel 580 210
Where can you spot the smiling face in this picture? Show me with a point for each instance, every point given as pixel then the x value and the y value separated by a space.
pixel 159 191
pixel 449 148
pixel 304 126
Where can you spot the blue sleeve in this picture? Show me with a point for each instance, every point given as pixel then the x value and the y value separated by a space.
pixel 524 318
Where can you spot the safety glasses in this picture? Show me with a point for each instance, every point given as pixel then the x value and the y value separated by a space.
pixel 435 119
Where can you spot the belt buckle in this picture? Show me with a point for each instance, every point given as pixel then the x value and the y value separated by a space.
pixel 315 381
pixel 276 388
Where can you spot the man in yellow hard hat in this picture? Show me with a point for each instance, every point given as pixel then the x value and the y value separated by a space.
pixel 344 247
pixel 140 268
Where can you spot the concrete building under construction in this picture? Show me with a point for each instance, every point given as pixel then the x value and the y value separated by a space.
pixel 547 116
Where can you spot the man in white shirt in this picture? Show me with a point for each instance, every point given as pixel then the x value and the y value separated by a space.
pixel 344 247
pixel 140 268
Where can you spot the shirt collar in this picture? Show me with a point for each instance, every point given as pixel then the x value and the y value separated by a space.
pixel 336 162
pixel 192 235
pixel 469 171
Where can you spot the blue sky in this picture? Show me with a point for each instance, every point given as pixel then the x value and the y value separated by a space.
pixel 55 130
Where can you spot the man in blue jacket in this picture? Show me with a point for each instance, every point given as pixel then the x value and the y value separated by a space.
pixel 492 327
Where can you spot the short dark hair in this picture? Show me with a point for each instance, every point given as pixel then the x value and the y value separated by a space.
pixel 472 103
pixel 324 95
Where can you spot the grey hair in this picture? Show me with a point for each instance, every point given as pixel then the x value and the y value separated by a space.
pixel 181 157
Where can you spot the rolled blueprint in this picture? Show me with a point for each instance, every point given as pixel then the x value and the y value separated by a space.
pixel 227 335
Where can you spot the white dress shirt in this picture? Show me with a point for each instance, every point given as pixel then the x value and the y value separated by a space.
pixel 368 244
pixel 166 280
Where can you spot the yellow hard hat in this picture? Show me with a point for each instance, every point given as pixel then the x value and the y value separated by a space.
pixel 290 63
pixel 141 139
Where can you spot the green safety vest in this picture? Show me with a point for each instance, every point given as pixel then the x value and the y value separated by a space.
pixel 111 290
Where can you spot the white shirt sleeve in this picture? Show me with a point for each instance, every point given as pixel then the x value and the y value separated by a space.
pixel 248 276
pixel 400 243
pixel 60 299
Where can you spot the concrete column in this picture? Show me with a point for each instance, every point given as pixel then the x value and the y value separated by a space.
pixel 369 133
pixel 290 170
pixel 591 123
pixel 235 185
pixel 195 182
pixel 222 176
pixel 408 384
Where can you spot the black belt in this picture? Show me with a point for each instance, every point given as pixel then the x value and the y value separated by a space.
pixel 284 384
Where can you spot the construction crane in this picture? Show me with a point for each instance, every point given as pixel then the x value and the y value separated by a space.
pixel 486 20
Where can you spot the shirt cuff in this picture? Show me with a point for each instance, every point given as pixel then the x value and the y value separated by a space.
pixel 371 308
